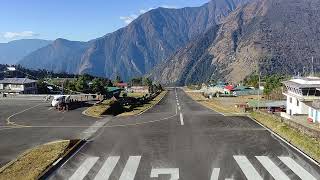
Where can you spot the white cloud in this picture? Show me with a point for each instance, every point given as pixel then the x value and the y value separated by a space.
pixel 142 11
pixel 129 19
pixel 169 6
pixel 23 34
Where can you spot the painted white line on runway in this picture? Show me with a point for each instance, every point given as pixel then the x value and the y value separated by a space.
pixel 85 167
pixel 93 129
pixel 130 170
pixel 249 171
pixel 174 172
pixel 181 119
pixel 215 174
pixel 107 168
pixel 176 110
pixel 178 104
pixel 274 170
pixel 296 168
pixel 13 123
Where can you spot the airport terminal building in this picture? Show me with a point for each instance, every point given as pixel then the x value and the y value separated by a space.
pixel 18 86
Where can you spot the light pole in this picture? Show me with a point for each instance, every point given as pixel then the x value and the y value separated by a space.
pixel 259 91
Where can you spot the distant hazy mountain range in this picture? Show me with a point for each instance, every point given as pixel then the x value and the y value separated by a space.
pixel 12 52
pixel 223 39
pixel 133 50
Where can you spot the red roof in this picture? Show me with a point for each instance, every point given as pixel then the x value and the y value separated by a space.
pixel 229 87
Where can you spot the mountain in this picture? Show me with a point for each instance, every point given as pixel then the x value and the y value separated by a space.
pixel 13 51
pixel 60 56
pixel 269 36
pixel 135 49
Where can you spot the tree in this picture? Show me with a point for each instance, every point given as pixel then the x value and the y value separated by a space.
pixel 42 87
pixel 272 83
pixel 106 83
pixel 136 81
pixel 159 87
pixel 81 84
pixel 97 86
pixel 118 79
pixel 252 80
pixel 147 82
pixel 71 85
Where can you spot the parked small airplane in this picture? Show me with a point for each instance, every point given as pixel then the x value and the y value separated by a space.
pixel 59 100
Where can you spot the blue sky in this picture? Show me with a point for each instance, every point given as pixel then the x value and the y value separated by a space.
pixel 73 19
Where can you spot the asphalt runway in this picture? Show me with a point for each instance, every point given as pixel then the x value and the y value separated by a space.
pixel 180 139
pixel 33 122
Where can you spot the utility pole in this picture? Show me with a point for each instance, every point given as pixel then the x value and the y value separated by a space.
pixel 259 91
pixel 62 87
pixel 312 70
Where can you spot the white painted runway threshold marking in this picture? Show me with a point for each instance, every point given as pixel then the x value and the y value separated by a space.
pixel 174 172
pixel 247 168
pixel 215 174
pixel 245 165
pixel 131 168
pixel 85 167
pixel 296 168
pixel 107 168
pixel 275 171
pixel 181 119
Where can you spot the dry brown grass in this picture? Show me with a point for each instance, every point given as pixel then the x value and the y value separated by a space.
pixel 97 110
pixel 32 163
pixel 136 95
pixel 309 145
pixel 213 104
pixel 144 107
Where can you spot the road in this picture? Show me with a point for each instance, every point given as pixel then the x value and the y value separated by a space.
pixel 180 139
pixel 34 122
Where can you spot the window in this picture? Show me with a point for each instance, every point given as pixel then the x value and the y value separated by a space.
pixel 290 100
pixel 298 102
pixel 290 112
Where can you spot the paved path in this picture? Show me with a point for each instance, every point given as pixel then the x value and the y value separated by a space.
pixel 180 139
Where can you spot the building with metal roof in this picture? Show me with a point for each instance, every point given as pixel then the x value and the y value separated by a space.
pixel 18 86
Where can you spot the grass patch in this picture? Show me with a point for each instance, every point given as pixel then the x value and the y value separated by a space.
pixel 136 95
pixel 212 104
pixel 307 144
pixel 32 163
pixel 98 109
pixel 139 109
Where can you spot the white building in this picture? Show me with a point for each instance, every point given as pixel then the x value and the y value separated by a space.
pixel 314 111
pixel 138 89
pixel 300 93
pixel 18 86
